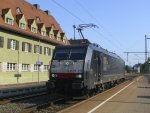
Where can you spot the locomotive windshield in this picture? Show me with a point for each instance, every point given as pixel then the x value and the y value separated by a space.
pixel 70 54
pixel 61 54
pixel 77 54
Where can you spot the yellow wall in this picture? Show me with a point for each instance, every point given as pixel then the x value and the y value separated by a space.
pixel 12 56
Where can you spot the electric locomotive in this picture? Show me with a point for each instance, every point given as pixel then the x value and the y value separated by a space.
pixel 82 69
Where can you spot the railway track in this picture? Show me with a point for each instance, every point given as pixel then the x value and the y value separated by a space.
pixel 39 103
pixel 15 99
pixel 52 106
pixel 44 105
pixel 28 104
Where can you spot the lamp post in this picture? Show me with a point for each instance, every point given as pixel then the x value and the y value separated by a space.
pixel 146 47
pixel 39 63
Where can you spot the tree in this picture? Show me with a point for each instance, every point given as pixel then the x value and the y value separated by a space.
pixel 128 69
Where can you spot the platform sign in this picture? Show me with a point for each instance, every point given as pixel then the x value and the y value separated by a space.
pixel 17 75
pixel 39 63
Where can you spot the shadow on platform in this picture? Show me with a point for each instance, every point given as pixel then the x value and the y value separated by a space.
pixel 148 97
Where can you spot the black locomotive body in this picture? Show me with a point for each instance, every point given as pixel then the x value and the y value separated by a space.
pixel 83 69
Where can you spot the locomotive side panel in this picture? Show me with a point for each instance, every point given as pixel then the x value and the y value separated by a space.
pixel 113 68
pixel 95 68
pixel 102 68
pixel 88 72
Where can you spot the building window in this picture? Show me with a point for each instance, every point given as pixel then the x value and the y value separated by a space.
pixel 0 66
pixel 36 67
pixel 46 67
pixel 18 10
pixel 9 21
pixel 43 33
pixel 13 44
pixel 33 29
pixel 37 49
pixel 59 38
pixel 22 26
pixel 51 35
pixel 26 47
pixel 52 26
pixel 25 67
pixel 11 66
pixel 1 42
pixel 47 51
pixel 38 19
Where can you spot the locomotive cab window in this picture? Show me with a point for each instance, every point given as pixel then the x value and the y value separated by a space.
pixel 77 54
pixel 70 53
pixel 61 54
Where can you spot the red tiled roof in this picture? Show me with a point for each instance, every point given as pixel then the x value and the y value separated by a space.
pixel 18 17
pixel 48 29
pixel 62 34
pixel 31 13
pixel 55 32
pixel 4 11
pixel 40 25
pixel 30 21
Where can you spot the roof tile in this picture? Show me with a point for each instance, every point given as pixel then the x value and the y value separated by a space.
pixel 30 12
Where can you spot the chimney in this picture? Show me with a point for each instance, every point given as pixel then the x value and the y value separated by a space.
pixel 37 6
pixel 47 12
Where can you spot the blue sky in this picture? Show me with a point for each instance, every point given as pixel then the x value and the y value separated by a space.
pixel 122 23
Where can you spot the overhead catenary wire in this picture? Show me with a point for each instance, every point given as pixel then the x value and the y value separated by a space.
pixel 68 11
pixel 99 24
pixel 81 20
pixel 93 17
pixel 139 57
pixel 72 14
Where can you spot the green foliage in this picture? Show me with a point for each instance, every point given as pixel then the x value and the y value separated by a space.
pixel 128 69
pixel 145 68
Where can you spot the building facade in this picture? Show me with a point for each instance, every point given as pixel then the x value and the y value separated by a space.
pixel 28 37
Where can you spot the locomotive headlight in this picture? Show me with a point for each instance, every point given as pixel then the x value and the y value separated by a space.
pixel 54 75
pixel 79 76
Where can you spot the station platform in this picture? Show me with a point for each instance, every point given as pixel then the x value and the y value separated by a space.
pixel 20 89
pixel 132 96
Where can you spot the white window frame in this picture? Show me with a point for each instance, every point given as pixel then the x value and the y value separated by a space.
pixel 33 29
pixel 11 66
pixel 25 67
pixel 51 35
pixel 36 67
pixel 13 44
pixel 37 49
pixel 18 10
pixel 46 67
pixel 27 47
pixel 46 51
pixel 9 21
pixel 59 38
pixel 22 26
pixel 43 33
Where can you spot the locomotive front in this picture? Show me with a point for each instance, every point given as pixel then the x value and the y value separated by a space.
pixel 67 69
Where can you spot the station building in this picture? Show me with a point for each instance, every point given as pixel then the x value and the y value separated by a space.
pixel 28 36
